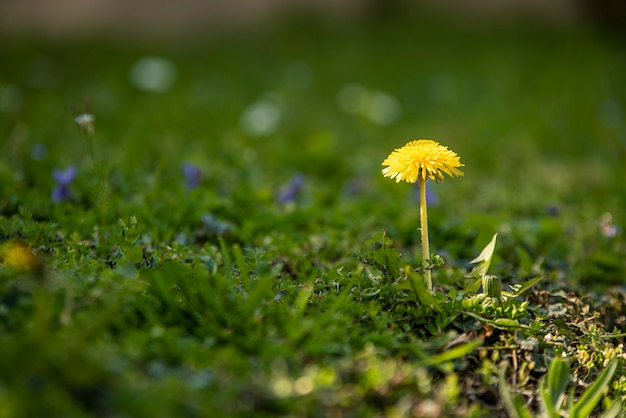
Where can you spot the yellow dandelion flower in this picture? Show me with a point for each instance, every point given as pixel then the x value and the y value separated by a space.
pixel 18 256
pixel 423 159
pixel 418 161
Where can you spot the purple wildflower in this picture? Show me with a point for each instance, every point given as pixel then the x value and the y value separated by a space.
pixel 64 179
pixel 193 175
pixel 290 191
pixel 553 211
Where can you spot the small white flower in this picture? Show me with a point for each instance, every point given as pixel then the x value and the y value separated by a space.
pixel 86 121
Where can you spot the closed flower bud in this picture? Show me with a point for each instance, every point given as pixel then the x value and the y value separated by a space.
pixel 492 286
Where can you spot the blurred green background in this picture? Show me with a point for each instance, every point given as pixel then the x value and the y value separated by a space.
pixel 531 97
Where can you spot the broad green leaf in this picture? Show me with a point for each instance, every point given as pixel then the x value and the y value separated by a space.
pixel 521 288
pixel 554 385
pixel 484 258
pixel 134 254
pixel 473 287
pixel 424 296
pixel 592 395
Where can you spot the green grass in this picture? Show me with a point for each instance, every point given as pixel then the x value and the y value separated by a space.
pixel 309 308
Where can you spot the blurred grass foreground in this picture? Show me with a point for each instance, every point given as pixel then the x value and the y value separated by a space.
pixel 194 222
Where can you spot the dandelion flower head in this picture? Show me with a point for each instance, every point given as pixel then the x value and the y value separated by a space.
pixel 18 256
pixel 422 158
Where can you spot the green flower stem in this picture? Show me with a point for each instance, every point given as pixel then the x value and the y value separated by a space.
pixel 104 191
pixel 424 229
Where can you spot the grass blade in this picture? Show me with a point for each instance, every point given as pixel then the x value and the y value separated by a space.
pixel 454 353
pixel 557 380
pixel 592 395
pixel 512 403
pixel 614 410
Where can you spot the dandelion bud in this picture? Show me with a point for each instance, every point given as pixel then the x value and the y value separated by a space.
pixel 492 286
